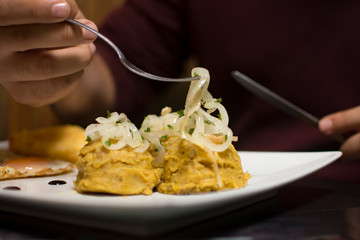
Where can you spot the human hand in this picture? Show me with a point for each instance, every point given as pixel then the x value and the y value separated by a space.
pixel 42 58
pixel 346 123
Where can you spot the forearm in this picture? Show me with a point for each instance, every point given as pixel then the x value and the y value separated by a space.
pixel 91 97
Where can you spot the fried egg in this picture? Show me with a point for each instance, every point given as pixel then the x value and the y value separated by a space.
pixel 22 167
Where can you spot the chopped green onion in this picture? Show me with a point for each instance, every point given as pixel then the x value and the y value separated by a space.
pixel 147 130
pixel 164 137
pixel 180 112
pixel 108 143
pixel 196 74
pixel 219 116
pixel 108 113
pixel 219 100
pixel 88 139
pixel 191 131
pixel 170 126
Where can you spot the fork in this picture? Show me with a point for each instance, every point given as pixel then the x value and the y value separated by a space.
pixel 128 64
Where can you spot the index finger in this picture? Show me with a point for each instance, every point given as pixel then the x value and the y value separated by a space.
pixel 341 122
pixel 36 11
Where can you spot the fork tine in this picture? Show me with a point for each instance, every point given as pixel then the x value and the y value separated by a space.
pixel 128 64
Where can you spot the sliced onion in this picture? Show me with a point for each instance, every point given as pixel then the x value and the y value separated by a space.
pixel 115 132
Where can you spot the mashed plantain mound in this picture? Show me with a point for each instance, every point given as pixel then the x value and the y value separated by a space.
pixel 56 142
pixel 123 171
pixel 188 168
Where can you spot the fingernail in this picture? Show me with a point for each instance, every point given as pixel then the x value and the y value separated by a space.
pixel 326 125
pixel 61 10
pixel 92 48
pixel 86 33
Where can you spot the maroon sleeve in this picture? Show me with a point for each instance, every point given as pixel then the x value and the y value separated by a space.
pixel 152 36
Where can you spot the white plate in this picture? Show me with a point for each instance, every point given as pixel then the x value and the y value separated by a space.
pixel 145 215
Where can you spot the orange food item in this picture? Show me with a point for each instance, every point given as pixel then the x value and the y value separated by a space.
pixel 56 142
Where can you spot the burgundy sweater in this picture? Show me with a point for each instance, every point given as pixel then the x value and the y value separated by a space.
pixel 306 51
